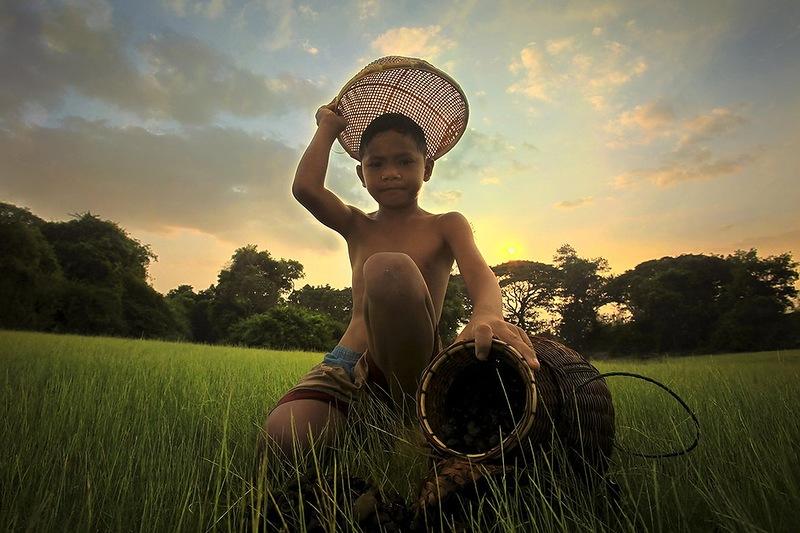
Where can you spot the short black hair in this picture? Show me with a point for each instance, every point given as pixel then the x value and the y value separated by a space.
pixel 393 122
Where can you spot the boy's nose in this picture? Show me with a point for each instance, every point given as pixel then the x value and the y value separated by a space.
pixel 390 175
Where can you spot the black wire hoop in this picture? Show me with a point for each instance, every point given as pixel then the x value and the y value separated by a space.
pixel 677 453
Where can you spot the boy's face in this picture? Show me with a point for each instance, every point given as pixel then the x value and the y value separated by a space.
pixel 393 169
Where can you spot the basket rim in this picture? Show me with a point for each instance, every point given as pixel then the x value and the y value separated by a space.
pixel 522 427
pixel 410 63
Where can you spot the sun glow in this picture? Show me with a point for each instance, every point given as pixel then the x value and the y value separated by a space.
pixel 508 250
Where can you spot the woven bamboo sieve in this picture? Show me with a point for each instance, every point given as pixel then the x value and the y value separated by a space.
pixel 440 375
pixel 558 410
pixel 413 87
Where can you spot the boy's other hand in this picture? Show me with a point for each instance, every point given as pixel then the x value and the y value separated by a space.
pixel 327 116
pixel 483 329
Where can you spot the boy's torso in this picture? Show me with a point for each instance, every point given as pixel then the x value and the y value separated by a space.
pixel 419 236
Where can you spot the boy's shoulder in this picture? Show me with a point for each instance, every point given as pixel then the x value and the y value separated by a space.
pixel 454 222
pixel 448 219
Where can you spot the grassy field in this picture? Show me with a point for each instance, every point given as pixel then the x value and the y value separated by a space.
pixel 125 435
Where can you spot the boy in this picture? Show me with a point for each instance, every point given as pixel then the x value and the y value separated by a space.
pixel 401 257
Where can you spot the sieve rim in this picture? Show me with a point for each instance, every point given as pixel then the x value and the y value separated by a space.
pixel 522 427
pixel 387 63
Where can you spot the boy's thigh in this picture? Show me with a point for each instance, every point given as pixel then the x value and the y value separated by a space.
pixel 301 416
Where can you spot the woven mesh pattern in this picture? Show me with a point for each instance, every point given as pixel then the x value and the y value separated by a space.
pixel 455 364
pixel 413 87
pixel 582 420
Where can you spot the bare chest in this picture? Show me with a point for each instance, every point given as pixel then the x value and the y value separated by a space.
pixel 422 241
pixel 429 252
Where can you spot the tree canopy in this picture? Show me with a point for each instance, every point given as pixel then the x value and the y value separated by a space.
pixel 87 275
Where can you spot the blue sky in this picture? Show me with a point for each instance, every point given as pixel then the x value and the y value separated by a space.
pixel 630 129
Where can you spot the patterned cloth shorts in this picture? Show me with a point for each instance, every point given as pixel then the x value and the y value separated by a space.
pixel 341 377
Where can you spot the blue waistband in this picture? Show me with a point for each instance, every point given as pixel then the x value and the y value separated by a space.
pixel 343 357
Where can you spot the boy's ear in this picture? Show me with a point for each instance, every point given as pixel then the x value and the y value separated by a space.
pixel 428 169
pixel 360 175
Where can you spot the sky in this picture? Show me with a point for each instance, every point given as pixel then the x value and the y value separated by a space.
pixel 630 129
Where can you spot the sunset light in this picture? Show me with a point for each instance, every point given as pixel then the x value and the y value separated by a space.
pixel 630 131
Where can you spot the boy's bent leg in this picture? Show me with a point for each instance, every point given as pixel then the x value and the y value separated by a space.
pixel 299 422
pixel 400 320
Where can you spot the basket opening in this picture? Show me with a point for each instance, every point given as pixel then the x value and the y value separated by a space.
pixel 479 401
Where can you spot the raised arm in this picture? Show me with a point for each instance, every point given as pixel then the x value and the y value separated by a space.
pixel 484 291
pixel 309 180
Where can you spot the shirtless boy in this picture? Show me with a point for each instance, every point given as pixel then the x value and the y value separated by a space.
pixel 401 257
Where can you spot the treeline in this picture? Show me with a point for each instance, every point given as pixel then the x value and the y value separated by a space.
pixel 692 303
pixel 89 276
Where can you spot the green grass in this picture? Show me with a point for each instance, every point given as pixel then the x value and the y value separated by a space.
pixel 129 435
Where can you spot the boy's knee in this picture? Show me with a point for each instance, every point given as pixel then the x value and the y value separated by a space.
pixel 392 275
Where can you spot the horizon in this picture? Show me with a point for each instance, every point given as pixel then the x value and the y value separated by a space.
pixel 630 131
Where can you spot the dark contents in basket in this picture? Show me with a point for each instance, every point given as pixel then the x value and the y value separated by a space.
pixel 484 401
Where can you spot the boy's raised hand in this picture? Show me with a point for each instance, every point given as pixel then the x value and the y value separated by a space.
pixel 327 117
pixel 483 329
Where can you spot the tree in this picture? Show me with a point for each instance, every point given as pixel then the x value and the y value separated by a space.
pixel 581 294
pixel 529 289
pixel 200 320
pixel 181 300
pixel 337 303
pixel 674 301
pixel 456 309
pixel 97 251
pixel 145 312
pixel 252 283
pixel 30 276
pixel 287 327
pixel 755 302
pixel 106 289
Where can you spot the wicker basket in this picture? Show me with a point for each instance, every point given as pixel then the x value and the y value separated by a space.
pixel 413 87
pixel 556 410
pixel 457 366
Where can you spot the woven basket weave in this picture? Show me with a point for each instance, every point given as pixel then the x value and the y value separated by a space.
pixel 453 363
pixel 581 419
pixel 413 87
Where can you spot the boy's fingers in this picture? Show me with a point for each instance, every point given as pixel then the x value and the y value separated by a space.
pixel 528 352
pixel 483 341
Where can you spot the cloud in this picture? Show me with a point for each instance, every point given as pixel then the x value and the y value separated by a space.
pixel 573 204
pixel 424 42
pixel 658 119
pixel 195 82
pixel 700 166
pixel 281 35
pixel 481 157
pixel 556 46
pixel 210 9
pixel 47 54
pixel 367 9
pixel 537 76
pixel 718 121
pixel 444 198
pixel 226 183
pixel 307 11
pixel 642 124
pixel 688 157
pixel 42 55
pixel 313 50
pixel 653 116
pixel 176 6
pixel 594 73
pixel 98 12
